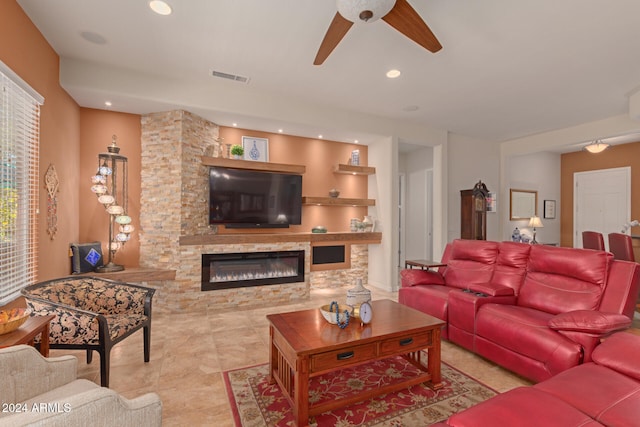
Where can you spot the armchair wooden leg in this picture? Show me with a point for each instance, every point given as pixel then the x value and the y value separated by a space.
pixel 89 355
pixel 104 367
pixel 147 342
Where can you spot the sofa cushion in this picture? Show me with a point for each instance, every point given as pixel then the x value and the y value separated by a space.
pixel 511 265
pixel 471 261
pixel 602 393
pixel 620 352
pixel 525 331
pixel 522 407
pixel 564 279
pixel 589 321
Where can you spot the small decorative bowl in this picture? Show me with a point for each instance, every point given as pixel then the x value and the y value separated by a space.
pixel 10 320
pixel 331 316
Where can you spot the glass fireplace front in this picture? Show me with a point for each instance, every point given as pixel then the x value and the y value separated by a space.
pixel 236 270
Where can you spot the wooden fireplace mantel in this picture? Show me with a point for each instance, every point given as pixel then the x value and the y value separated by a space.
pixel 229 239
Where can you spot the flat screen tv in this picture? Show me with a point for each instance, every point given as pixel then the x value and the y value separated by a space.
pixel 253 199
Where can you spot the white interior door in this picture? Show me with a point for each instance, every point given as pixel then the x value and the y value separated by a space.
pixel 601 202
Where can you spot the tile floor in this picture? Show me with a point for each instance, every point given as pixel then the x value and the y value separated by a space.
pixel 191 350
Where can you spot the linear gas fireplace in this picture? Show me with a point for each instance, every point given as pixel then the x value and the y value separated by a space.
pixel 236 270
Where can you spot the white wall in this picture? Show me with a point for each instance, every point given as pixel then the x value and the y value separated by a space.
pixel 383 188
pixel 469 161
pixel 418 169
pixel 539 172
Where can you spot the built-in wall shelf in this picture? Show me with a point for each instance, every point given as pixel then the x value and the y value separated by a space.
pixel 354 170
pixel 251 165
pixel 354 238
pixel 337 201
pixel 137 274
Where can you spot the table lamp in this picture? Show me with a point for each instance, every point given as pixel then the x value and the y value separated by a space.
pixel 535 222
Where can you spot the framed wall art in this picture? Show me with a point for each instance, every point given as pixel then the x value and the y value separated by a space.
pixel 256 149
pixel 549 209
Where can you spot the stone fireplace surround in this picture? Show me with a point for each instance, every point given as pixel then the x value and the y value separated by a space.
pixel 174 186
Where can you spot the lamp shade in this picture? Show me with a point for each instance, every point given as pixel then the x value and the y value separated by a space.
pixel 352 10
pixel 596 147
pixel 535 222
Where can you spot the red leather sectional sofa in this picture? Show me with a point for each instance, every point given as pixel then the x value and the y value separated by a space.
pixel 536 310
pixel 603 392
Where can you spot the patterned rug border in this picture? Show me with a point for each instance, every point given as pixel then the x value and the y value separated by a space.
pixel 234 404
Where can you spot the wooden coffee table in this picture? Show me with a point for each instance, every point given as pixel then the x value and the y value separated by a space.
pixel 305 345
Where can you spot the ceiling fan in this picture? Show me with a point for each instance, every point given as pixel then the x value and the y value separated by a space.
pixel 397 13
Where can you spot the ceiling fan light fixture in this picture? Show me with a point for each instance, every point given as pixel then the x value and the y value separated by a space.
pixel 393 74
pixel 160 7
pixel 364 10
pixel 596 146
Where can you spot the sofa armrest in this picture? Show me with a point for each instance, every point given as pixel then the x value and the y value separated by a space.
pixel 25 373
pixel 102 405
pixel 490 289
pixel 589 322
pixel 412 277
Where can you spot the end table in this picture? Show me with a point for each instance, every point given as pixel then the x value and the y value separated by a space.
pixel 28 331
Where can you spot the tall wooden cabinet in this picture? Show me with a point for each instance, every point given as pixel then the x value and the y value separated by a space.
pixel 473 212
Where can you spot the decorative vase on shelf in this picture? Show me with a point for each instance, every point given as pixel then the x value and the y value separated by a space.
pixel 369 223
pixel 237 151
pixel 515 236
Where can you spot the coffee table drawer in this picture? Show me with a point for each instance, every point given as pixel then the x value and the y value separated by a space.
pixel 344 357
pixel 406 343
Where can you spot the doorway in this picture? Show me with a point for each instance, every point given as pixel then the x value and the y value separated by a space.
pixel 601 202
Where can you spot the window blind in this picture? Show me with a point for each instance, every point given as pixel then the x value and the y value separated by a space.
pixel 19 163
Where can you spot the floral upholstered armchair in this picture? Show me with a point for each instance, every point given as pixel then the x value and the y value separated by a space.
pixel 92 313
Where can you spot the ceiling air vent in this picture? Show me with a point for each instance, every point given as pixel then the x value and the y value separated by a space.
pixel 228 76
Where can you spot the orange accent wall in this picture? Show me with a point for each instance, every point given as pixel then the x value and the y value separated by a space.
pixel 96 130
pixel 615 157
pixel 28 54
pixel 319 156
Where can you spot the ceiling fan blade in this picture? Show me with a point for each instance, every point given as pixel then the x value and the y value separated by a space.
pixel 405 19
pixel 337 29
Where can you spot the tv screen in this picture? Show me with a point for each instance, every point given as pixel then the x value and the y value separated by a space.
pixel 246 198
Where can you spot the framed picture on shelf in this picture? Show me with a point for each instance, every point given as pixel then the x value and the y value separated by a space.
pixel 256 149
pixel 549 209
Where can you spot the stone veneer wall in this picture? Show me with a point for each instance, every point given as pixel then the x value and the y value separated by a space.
pixel 173 203
pixel 346 277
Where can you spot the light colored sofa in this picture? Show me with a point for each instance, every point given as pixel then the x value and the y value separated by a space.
pixel 39 391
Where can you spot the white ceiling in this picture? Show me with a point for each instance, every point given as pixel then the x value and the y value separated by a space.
pixel 508 68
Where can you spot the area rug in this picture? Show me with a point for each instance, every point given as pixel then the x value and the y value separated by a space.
pixel 256 403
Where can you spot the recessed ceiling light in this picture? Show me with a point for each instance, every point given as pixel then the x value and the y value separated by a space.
pixel 234 125
pixel 392 74
pixel 107 103
pixel 356 141
pixel 280 130
pixel 160 7
pixel 320 136
pixel 93 37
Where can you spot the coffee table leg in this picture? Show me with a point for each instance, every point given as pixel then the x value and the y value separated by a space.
pixel 434 361
pixel 301 392
pixel 273 352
